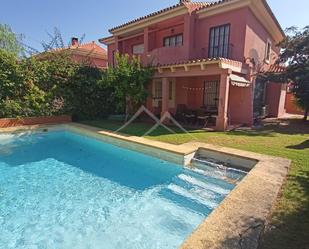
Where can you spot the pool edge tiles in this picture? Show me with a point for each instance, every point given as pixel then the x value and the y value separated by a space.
pixel 243 212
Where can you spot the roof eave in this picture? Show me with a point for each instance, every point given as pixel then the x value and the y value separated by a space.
pixel 274 18
pixel 107 40
pixel 235 66
pixel 148 20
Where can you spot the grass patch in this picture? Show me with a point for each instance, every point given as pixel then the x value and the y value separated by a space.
pixel 286 138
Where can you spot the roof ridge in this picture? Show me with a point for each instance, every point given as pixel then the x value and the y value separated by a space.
pixel 83 46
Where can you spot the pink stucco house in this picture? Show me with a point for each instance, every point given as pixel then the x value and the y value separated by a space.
pixel 207 56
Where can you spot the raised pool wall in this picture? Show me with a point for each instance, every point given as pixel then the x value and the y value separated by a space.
pixel 17 122
pixel 238 222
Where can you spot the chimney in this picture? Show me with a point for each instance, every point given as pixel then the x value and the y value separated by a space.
pixel 74 42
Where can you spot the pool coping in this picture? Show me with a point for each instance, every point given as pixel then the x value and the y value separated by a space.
pixel 239 220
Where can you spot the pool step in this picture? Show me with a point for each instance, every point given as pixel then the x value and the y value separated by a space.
pixel 217 170
pixel 197 190
pixel 204 184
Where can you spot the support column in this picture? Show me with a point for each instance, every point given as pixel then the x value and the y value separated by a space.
pixel 188 35
pixel 115 51
pixel 144 57
pixel 116 44
pixel 146 40
pixel 165 95
pixel 222 119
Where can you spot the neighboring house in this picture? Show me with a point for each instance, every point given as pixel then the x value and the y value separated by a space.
pixel 90 53
pixel 206 56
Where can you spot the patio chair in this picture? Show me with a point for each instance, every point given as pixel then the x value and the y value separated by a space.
pixel 190 116
pixel 202 117
pixel 180 112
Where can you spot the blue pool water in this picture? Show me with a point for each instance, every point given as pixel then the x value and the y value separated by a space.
pixel 64 190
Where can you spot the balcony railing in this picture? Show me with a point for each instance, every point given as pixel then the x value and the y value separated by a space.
pixel 168 55
pixel 165 55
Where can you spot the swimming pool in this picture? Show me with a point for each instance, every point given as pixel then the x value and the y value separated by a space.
pixel 63 190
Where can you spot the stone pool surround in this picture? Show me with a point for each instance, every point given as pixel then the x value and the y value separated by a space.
pixel 238 222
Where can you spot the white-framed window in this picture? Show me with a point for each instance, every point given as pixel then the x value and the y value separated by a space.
pixel 138 49
pixel 173 41
pixel 268 51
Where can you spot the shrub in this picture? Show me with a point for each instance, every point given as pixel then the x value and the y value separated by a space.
pixel 52 84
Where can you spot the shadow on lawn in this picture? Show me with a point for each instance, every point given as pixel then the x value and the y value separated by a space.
pixel 280 126
pixel 287 126
pixel 301 146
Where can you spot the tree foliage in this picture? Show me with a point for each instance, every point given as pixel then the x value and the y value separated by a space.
pixel 130 80
pixel 295 53
pixel 10 41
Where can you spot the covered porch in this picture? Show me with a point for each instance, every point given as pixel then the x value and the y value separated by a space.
pixel 205 93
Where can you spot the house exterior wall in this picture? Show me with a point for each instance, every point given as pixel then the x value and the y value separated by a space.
pixel 256 39
pixel 126 46
pixel 110 50
pixel 248 39
pixel 290 105
pixel 195 37
pixel 237 33
pixel 95 62
pixel 240 105
pixel 188 91
pixel 275 99
pixel 165 55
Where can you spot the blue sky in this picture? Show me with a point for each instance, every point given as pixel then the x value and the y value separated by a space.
pixel 34 18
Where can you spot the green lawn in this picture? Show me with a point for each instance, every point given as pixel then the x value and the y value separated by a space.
pixel 289 139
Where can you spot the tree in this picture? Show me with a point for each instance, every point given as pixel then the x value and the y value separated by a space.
pixel 295 53
pixel 130 80
pixel 10 41
pixel 56 41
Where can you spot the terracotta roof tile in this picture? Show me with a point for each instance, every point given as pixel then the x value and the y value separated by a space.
pixel 196 61
pixel 92 46
pixel 89 47
pixel 275 68
pixel 191 6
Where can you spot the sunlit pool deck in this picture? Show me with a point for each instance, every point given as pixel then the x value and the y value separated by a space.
pixel 240 218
